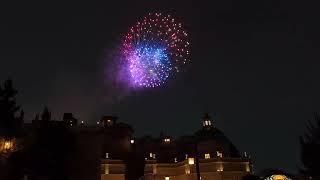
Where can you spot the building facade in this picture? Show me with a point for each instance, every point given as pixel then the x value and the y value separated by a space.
pixel 174 159
pixel 109 151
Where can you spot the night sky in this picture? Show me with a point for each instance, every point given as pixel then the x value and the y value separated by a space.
pixel 254 67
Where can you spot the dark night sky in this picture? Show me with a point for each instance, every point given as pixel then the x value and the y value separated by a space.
pixel 254 67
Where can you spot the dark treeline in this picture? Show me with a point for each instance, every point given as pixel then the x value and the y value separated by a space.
pixel 45 152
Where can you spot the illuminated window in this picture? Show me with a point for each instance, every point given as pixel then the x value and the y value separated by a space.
pixel 219 154
pixel 167 140
pixel 186 155
pixel 154 156
pixel 151 155
pixel 106 169
pixel 175 160
pixel 207 123
pixel 207 156
pixel 187 170
pixel 190 161
pixel 132 141
pixel 245 154
pixel 107 155
pixel 167 178
pixel 247 167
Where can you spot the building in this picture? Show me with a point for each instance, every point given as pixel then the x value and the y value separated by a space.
pixel 174 159
pixel 109 151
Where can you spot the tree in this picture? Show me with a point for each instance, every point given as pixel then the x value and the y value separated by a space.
pixel 10 129
pixel 310 149
pixel 10 123
pixel 50 154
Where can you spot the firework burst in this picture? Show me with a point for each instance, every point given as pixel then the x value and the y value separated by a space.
pixel 154 49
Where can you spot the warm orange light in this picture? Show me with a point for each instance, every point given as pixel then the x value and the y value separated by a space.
pixel 7 145
pixel 187 169
pixel 167 178
pixel 279 177
pixel 190 161
pixel 220 168
pixel 247 167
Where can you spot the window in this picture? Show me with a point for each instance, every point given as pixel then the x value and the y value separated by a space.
pixel 167 140
pixel 106 169
pixel 206 123
pixel 107 155
pixel 187 170
pixel 190 161
pixel 207 156
pixel 167 178
pixel 219 154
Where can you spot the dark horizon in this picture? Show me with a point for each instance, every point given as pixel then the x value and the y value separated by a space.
pixel 254 68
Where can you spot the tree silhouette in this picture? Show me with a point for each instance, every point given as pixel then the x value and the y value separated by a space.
pixel 50 154
pixel 10 124
pixel 46 115
pixel 310 149
pixel 10 130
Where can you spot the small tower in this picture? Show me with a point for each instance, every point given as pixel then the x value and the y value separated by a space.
pixel 206 121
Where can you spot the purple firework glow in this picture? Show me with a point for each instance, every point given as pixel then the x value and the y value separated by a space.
pixel 154 49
